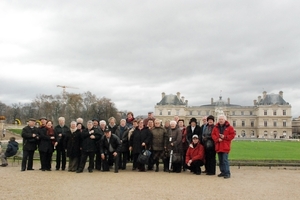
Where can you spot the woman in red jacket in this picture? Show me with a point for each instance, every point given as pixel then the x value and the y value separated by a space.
pixel 222 135
pixel 194 156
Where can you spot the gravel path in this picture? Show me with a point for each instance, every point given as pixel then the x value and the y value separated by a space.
pixel 245 183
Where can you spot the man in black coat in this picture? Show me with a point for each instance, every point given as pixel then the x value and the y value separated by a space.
pixel 89 137
pixel 110 147
pixel 29 134
pixel 122 133
pixel 60 130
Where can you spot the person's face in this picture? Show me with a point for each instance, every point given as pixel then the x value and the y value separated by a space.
pixel 193 124
pixel 134 124
pixel 61 122
pixel 102 125
pixel 221 120
pixel 141 124
pixel 107 134
pixel 167 124
pixel 49 124
pixel 43 121
pixel 210 122
pixel 90 125
pixel 31 123
pixel 95 123
pixel 157 123
pixel 112 122
pixel 150 115
pixel 129 116
pixel 122 123
pixel 176 118
pixel 172 125
pixel 79 126
pixel 195 140
pixel 180 123
pixel 204 120
pixel 73 126
pixel 150 123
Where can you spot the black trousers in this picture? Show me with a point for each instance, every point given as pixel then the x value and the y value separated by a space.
pixel 27 157
pixel 195 166
pixel 61 158
pixel 110 158
pixel 84 156
pixel 123 157
pixel 210 161
pixel 136 164
pixel 98 160
pixel 46 158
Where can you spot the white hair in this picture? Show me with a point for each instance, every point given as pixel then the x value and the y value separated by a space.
pixel 173 122
pixel 224 117
pixel 89 122
pixel 102 122
pixel 61 118
pixel 122 120
pixel 73 122
pixel 79 120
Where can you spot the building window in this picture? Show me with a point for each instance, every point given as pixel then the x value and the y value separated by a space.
pixel 266 133
pixel 265 112
pixel 284 112
pixel 169 112
pixel 274 123
pixel 251 113
pixel 284 124
pixel 274 112
pixel 252 133
pixel 243 123
pixel 234 123
pixel 265 123
pixel 233 112
pixel 191 112
pixel 160 112
pixel 243 133
pixel 242 112
pixel 252 123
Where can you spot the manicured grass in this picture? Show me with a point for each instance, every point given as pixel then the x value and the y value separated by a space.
pixel 18 131
pixel 265 150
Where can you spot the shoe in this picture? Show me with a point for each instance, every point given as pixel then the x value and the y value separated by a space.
pixel 43 170
pixel 30 169
pixel 4 165
pixel 63 169
pixel 210 174
pixel 79 171
pixel 198 173
pixel 157 169
pixel 90 170
pixel 133 168
pixel 22 170
pixel 227 176
pixel 116 171
pixel 221 175
pixel 69 170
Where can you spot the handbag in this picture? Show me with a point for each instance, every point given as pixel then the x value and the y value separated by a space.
pixel 209 144
pixel 176 158
pixel 143 157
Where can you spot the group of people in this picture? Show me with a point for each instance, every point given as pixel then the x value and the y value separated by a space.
pixel 111 146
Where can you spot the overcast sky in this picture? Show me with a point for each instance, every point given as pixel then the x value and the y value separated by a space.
pixel 132 51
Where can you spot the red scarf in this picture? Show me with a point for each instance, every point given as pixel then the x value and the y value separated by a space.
pixel 50 133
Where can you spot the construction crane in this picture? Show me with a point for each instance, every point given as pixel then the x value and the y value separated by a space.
pixel 64 88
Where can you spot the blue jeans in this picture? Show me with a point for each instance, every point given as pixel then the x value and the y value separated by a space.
pixel 223 163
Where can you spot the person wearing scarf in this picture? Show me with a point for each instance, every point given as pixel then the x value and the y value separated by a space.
pixel 47 145
pixel 195 156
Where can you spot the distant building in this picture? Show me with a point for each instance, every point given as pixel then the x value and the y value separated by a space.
pixel 296 127
pixel 268 117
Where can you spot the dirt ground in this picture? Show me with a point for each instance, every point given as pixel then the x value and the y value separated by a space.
pixel 245 183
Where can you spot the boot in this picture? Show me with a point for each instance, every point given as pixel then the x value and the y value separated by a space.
pixel 157 169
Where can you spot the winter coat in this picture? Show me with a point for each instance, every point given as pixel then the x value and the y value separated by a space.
pixel 123 138
pixel 195 153
pixel 12 148
pixel 114 141
pixel 160 138
pixel 229 134
pixel 88 144
pixel 29 142
pixel 112 128
pixel 206 138
pixel 46 143
pixel 190 133
pixel 61 130
pixel 175 137
pixel 72 143
pixel 138 137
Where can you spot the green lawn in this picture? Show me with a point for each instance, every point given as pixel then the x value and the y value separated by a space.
pixel 265 150
pixel 18 131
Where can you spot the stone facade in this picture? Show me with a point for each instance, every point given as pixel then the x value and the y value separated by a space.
pixel 268 117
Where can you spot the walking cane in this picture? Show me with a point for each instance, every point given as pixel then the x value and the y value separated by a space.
pixel 170 161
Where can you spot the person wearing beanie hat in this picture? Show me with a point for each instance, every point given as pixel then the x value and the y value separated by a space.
pixel 193 129
pixel 209 146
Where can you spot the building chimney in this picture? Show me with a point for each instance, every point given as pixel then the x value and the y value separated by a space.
pixel 163 95
pixel 264 94
pixel 182 98
pixel 228 100
pixel 212 101
pixel 178 95
pixel 255 102
pixel 186 102
pixel 281 94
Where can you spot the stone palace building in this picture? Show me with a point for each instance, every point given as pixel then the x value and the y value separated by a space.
pixel 268 117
